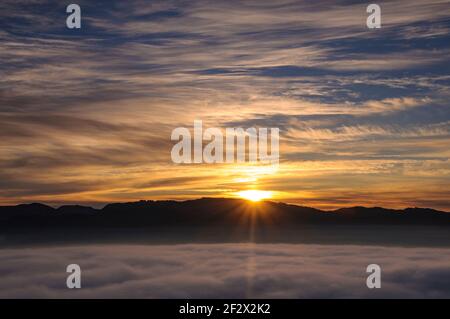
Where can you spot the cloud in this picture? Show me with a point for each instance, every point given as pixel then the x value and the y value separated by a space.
pixel 346 133
pixel 86 115
pixel 224 271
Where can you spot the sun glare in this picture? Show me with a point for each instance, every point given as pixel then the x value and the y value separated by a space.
pixel 255 195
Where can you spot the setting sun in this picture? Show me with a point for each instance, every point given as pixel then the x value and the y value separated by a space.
pixel 255 195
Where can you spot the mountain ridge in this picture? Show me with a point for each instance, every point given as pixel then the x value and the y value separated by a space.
pixel 205 211
pixel 42 205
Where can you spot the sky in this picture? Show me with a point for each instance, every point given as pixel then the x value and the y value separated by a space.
pixel 86 114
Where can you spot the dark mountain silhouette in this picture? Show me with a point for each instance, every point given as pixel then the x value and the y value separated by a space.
pixel 221 220
pixel 208 211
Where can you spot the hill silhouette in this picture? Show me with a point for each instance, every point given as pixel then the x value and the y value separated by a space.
pixel 220 220
pixel 208 212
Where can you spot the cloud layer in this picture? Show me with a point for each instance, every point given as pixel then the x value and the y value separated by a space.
pixel 225 271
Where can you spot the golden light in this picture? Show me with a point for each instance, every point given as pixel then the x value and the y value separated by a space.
pixel 255 195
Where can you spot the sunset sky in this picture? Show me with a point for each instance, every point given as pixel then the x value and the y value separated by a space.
pixel 86 115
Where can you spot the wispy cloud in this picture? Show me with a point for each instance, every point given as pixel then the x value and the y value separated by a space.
pixel 95 106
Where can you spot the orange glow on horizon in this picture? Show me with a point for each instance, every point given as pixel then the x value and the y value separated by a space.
pixel 255 195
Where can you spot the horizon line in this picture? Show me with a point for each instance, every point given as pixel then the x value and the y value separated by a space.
pixel 223 198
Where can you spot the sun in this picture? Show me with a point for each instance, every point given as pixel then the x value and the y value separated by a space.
pixel 254 195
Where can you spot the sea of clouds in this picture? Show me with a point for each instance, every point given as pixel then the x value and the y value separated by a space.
pixel 224 271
